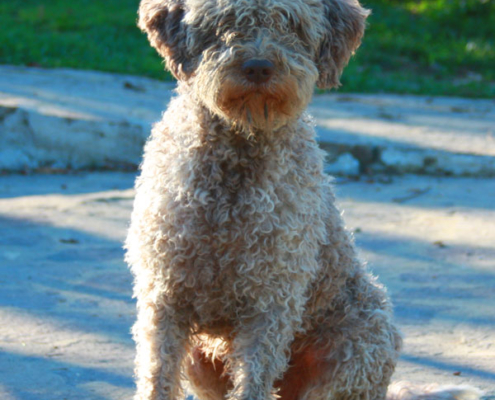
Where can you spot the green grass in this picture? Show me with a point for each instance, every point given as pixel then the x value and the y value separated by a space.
pixel 434 47
pixel 431 47
pixel 83 34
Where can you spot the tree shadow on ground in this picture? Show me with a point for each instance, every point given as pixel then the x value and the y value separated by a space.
pixel 75 290
pixel 448 367
pixel 41 378
pixel 70 183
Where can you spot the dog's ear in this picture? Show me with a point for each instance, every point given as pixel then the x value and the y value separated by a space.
pixel 162 20
pixel 345 23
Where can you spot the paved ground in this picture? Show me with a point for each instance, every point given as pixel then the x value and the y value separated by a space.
pixel 66 306
pixel 77 119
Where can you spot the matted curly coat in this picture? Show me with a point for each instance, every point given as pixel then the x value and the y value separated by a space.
pixel 248 285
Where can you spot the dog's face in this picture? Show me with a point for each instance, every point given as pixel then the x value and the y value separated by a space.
pixel 255 62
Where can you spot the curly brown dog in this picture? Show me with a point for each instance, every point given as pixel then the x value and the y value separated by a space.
pixel 248 285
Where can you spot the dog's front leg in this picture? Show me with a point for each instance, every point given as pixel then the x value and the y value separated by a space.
pixel 260 355
pixel 160 347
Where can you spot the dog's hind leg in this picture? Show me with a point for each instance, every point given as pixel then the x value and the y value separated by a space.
pixel 353 360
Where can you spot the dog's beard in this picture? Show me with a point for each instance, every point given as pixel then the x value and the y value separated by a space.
pixel 259 108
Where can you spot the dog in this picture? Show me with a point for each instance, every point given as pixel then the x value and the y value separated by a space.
pixel 248 286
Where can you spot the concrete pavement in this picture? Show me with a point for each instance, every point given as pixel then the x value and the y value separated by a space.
pixel 66 307
pixel 59 119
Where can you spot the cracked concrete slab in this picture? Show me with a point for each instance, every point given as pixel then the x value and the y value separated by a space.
pixel 66 119
pixel 416 134
pixel 75 119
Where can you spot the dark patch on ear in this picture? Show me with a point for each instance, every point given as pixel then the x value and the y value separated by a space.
pixel 162 20
pixel 345 21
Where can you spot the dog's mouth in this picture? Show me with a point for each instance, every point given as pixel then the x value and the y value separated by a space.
pixel 261 106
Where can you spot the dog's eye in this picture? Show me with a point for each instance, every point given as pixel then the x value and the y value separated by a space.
pixel 297 28
pixel 226 20
pixel 300 31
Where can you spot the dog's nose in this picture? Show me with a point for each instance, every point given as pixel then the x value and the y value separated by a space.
pixel 258 71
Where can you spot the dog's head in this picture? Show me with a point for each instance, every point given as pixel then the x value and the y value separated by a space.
pixel 255 62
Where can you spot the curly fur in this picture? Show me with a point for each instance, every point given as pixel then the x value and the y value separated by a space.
pixel 248 285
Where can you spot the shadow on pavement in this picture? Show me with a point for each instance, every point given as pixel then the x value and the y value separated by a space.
pixel 71 183
pixel 42 378
pixel 448 367
pixel 66 312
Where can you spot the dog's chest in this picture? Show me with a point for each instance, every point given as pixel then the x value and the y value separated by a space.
pixel 245 224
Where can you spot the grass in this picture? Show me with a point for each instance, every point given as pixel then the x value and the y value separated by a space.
pixel 429 47
pixel 434 47
pixel 83 34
